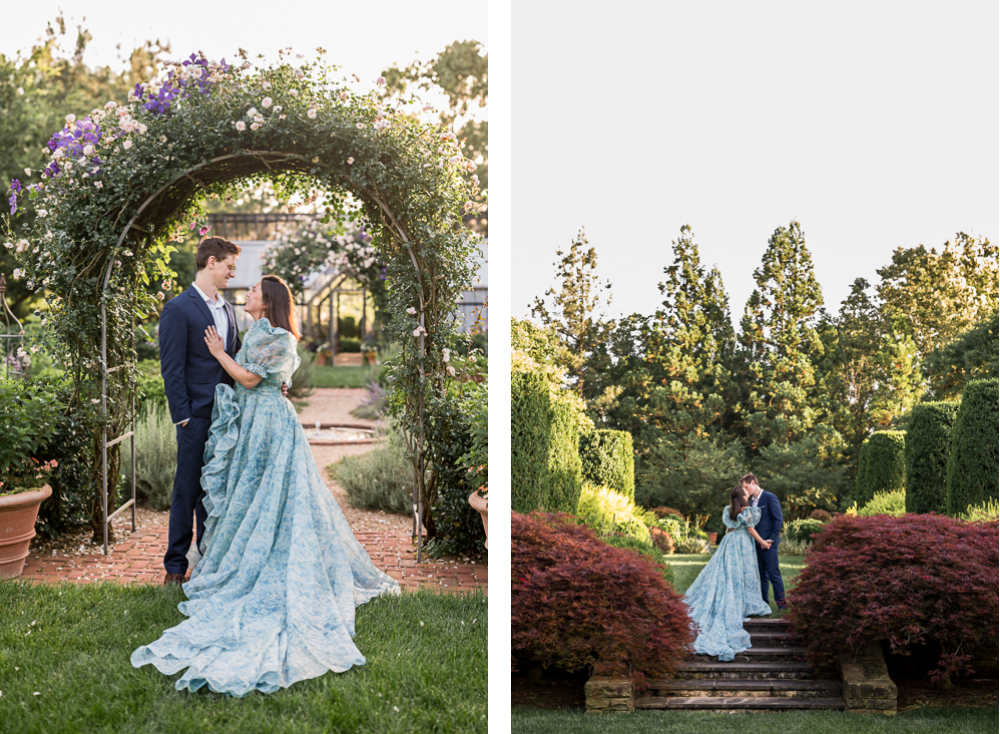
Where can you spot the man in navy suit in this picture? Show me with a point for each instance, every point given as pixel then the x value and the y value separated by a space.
pixel 190 374
pixel 769 528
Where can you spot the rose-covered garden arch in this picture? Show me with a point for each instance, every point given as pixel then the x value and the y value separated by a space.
pixel 121 180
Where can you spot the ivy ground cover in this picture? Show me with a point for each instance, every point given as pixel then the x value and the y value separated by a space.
pixel 64 667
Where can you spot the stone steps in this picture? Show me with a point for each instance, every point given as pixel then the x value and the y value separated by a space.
pixel 771 676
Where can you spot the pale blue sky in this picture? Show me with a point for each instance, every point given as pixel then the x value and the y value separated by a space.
pixel 874 124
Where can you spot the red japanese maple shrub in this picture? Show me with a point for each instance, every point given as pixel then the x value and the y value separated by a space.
pixel 908 579
pixel 662 540
pixel 577 603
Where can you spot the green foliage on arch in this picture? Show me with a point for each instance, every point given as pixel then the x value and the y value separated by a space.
pixel 121 181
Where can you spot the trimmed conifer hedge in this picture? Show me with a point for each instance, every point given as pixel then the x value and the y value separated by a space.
pixel 928 444
pixel 529 440
pixel 972 465
pixel 881 465
pixel 608 460
pixel 565 471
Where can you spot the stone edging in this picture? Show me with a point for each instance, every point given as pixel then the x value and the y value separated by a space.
pixel 868 689
pixel 606 694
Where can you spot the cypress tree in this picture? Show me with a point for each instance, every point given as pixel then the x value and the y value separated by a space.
pixel 928 445
pixel 972 465
pixel 881 465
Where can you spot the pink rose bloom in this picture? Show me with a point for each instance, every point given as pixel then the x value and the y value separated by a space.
pixel 241 126
pixel 311 114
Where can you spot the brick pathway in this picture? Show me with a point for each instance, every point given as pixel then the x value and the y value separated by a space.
pixel 139 559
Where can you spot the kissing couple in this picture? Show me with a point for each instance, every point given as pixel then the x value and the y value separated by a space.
pixel 735 583
pixel 272 599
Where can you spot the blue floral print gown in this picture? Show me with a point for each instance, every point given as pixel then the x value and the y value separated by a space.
pixel 272 599
pixel 727 591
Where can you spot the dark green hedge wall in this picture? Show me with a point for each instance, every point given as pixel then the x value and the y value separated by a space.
pixel 972 466
pixel 529 441
pixel 565 472
pixel 928 444
pixel 881 465
pixel 608 460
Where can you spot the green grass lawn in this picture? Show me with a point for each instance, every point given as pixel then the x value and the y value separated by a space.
pixel 64 667
pixel 921 721
pixel 687 567
pixel 346 376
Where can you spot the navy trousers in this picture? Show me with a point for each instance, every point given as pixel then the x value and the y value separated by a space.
pixel 188 493
pixel 770 574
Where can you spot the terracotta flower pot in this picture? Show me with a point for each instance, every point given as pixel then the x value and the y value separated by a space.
pixel 712 537
pixel 482 506
pixel 17 528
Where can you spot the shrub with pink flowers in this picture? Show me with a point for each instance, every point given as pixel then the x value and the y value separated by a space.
pixel 908 579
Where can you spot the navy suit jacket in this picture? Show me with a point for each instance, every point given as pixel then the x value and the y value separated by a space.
pixel 190 372
pixel 770 517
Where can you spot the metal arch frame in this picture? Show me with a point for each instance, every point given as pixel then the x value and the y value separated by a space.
pixel 105 445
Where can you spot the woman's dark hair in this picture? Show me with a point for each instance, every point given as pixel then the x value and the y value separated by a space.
pixel 279 308
pixel 738 502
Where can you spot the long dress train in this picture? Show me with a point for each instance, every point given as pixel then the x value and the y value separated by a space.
pixel 727 591
pixel 272 600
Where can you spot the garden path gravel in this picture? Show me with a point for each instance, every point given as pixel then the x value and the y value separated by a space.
pixel 138 556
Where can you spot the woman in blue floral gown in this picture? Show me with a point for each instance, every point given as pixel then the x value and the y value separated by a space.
pixel 272 599
pixel 727 590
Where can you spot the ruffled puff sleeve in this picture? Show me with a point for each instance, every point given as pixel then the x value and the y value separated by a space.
pixel 748 518
pixel 270 350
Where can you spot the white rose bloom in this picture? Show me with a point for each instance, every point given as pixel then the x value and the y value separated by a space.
pixel 127 144
pixel 58 153
pixel 251 112
pixel 110 105
pixel 266 102
pixel 411 310
pixel 311 114
pixel 70 119
pixel 88 150
pixel 241 126
pixel 254 125
pixel 277 108
pixel 446 354
pixel 43 213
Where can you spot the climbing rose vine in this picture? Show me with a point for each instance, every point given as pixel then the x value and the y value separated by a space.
pixel 122 180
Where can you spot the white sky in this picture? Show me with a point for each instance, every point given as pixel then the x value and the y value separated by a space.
pixel 362 37
pixel 873 123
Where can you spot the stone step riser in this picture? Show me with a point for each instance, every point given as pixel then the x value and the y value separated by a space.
pixel 772 640
pixel 722 693
pixel 740 675
pixel 743 704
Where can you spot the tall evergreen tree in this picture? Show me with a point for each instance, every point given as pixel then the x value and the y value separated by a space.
pixel 688 347
pixel 575 313
pixel 780 343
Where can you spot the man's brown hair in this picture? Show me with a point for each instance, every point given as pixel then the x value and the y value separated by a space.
pixel 749 479
pixel 215 247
